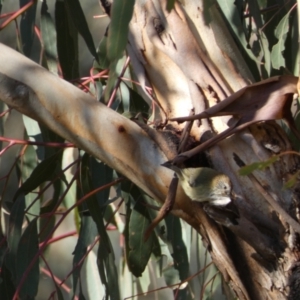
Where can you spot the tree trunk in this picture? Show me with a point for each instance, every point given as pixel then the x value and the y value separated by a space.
pixel 187 56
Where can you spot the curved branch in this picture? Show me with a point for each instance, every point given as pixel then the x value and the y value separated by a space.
pixel 82 120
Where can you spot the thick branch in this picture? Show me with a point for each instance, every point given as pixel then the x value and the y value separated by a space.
pixel 80 119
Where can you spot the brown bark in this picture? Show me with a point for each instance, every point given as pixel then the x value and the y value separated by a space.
pixel 189 67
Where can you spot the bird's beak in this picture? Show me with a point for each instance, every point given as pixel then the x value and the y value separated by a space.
pixel 168 165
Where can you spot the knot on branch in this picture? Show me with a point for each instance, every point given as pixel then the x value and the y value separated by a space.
pixel 21 92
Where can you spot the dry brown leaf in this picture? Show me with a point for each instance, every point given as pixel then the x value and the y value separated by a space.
pixel 270 99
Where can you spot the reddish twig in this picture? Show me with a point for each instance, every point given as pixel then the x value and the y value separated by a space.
pixel 17 14
pixel 44 244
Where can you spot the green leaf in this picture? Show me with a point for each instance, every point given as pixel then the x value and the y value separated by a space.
pixel 170 5
pixel 101 174
pixel 34 134
pixel 49 38
pixel 7 289
pixel 47 223
pixel 27 164
pixel 137 102
pixel 111 84
pixel 27 249
pixel 87 234
pixel 92 284
pixel 81 25
pixel 180 256
pixel 121 14
pixel 59 292
pixel 139 250
pixel 27 26
pixel 43 172
pixel 103 61
pixel 106 258
pixel 234 15
pixel 246 170
pixel 67 42
pixel 14 234
pixel 106 265
pixel 3 247
pixel 281 32
pixel 292 181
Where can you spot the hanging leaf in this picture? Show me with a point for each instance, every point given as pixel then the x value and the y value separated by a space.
pixel 48 220
pixel 106 258
pixel 103 61
pixel 87 234
pixel 34 134
pixel 78 18
pixel 121 13
pixel 139 250
pixel 27 27
pixel 43 172
pixel 281 32
pixel 269 99
pixel 59 292
pixel 180 256
pixel 27 249
pixel 67 42
pixel 101 174
pixel 14 234
pixel 7 288
pixel 137 103
pixel 49 38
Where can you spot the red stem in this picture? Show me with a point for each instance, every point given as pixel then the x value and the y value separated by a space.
pixel 44 244
pixel 16 14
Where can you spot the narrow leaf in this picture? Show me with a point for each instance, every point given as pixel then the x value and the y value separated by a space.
pixel 34 134
pixel 139 250
pixel 87 234
pixel 7 289
pixel 103 61
pixel 14 234
pixel 257 166
pixel 27 27
pixel 59 292
pixel 67 42
pixel 49 38
pixel 27 249
pixel 27 164
pixel 292 181
pixel 81 25
pixel 121 13
pixel 43 172
pixel 281 32
pixel 180 256
pixel 106 258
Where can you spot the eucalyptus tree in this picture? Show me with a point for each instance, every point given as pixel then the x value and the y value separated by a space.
pixel 196 83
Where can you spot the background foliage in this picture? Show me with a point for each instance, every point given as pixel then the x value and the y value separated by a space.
pixel 52 192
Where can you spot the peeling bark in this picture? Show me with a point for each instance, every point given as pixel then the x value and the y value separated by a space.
pixel 179 55
pixel 189 66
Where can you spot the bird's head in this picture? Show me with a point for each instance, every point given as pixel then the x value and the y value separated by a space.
pixel 204 184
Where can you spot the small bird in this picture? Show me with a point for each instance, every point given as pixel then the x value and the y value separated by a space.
pixel 203 184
